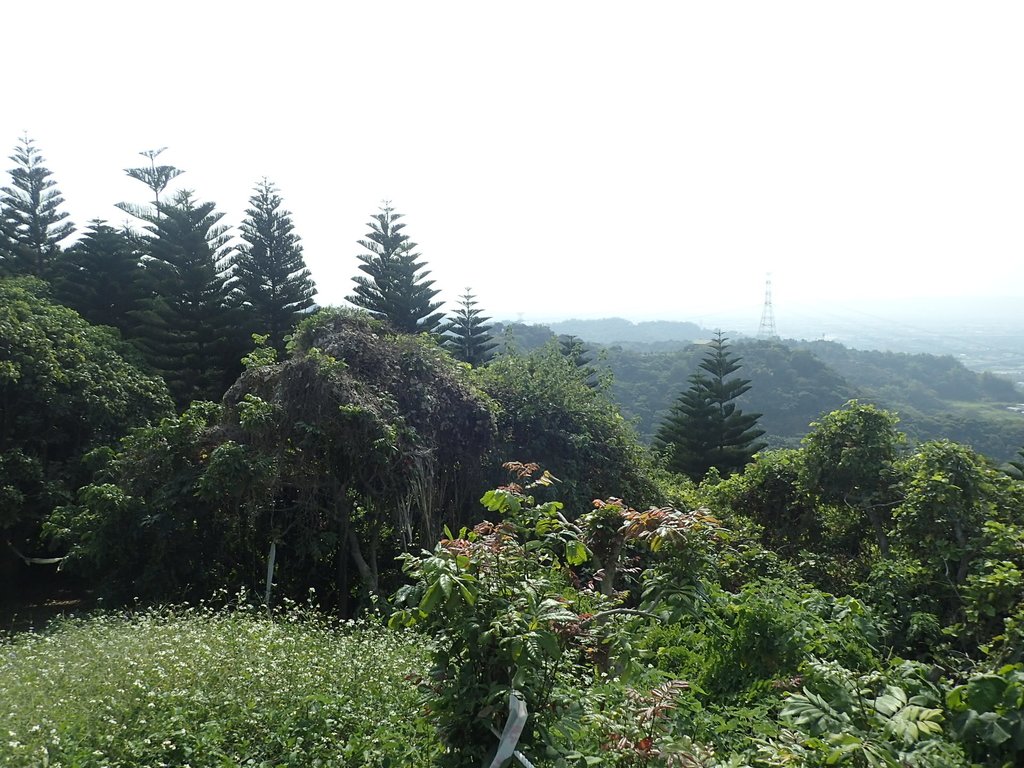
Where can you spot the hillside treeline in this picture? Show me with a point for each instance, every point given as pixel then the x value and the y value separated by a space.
pixel 794 381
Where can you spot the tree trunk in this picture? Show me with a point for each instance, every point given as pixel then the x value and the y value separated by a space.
pixel 880 533
pixel 271 558
pixel 611 568
pixel 366 573
pixel 965 558
pixel 341 568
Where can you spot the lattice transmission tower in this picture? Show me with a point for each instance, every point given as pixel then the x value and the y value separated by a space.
pixel 766 330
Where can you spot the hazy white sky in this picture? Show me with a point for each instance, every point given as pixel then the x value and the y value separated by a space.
pixel 564 159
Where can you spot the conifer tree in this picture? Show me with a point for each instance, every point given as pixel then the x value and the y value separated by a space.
pixel 1015 468
pixel 394 287
pixel 32 224
pixel 6 242
pixel 154 176
pixel 100 277
pixel 574 349
pixel 272 284
pixel 467 334
pixel 187 328
pixel 704 428
pixel 6 245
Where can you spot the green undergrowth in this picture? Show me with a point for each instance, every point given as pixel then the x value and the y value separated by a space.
pixel 205 687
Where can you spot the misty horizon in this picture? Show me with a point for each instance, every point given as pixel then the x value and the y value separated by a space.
pixel 569 160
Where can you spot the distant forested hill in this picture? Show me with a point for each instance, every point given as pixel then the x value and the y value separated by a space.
pixel 921 380
pixel 648 336
pixel 521 336
pixel 935 397
pixel 793 383
pixel 789 387
pixel 615 330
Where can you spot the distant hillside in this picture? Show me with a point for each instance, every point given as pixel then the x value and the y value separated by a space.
pixel 923 381
pixel 616 330
pixel 648 336
pixel 521 336
pixel 789 387
pixel 936 397
pixel 793 383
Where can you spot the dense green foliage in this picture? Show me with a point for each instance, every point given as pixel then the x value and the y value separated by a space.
pixel 674 637
pixel 576 351
pixel 66 388
pixel 187 328
pixel 849 457
pixel 790 376
pixel 923 381
pixel 789 387
pixel 101 277
pixel 549 415
pixel 792 384
pixel 511 624
pixel 715 652
pixel 500 619
pixel 522 337
pixel 771 492
pixel 191 301
pixel 936 397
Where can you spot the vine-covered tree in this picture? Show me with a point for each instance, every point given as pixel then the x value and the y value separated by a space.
pixel 948 492
pixel 705 428
pixel 394 287
pixel 100 277
pixel 363 444
pixel 272 284
pixel 467 335
pixel 33 225
pixel 848 461
pixel 187 329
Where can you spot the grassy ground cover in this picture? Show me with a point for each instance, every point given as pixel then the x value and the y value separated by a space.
pixel 200 687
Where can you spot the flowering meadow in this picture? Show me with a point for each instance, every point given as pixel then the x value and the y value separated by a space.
pixel 203 687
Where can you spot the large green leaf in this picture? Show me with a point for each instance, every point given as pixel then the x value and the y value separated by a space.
pixel 431 598
pixel 575 552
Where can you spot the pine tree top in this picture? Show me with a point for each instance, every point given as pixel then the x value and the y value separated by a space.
pixel 31 219
pixel 394 286
pixel 467 335
pixel 272 284
pixel 705 428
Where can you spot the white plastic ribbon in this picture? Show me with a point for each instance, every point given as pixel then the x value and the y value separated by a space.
pixel 510 734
